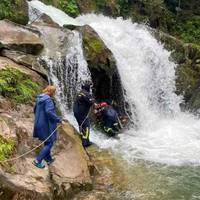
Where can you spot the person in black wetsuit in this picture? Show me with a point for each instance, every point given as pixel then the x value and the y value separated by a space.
pixel 81 110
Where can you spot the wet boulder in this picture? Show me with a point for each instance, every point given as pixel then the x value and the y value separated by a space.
pixel 71 170
pixel 20 38
pixel 28 60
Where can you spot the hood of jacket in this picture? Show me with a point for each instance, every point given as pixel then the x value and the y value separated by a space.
pixel 42 98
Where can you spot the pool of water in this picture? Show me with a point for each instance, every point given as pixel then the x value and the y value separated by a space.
pixel 144 180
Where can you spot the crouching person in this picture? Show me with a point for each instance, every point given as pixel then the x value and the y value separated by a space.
pixel 109 117
pixel 45 124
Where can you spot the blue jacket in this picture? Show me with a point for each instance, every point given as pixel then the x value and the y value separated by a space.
pixel 45 118
pixel 109 114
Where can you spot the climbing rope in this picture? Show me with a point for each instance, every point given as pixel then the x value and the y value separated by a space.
pixel 30 151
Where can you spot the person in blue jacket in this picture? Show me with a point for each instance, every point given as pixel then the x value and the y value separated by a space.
pixel 45 123
pixel 81 110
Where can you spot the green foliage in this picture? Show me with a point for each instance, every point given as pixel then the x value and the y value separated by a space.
pixel 70 7
pixel 188 30
pixel 15 10
pixel 5 9
pixel 124 7
pixel 17 86
pixel 6 148
pixel 101 4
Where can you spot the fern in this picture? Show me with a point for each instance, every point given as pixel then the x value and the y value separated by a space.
pixel 6 148
pixel 17 86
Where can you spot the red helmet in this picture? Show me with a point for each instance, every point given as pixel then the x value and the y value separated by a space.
pixel 103 104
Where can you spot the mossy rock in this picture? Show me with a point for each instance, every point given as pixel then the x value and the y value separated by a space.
pixel 96 51
pixel 187 80
pixel 177 47
pixel 194 103
pixel 16 10
pixel 93 46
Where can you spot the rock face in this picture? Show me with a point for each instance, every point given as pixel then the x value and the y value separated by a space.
pixel 4 62
pixel 102 66
pixel 64 178
pixel 20 38
pixel 19 179
pixel 187 57
pixel 70 170
pixel 24 59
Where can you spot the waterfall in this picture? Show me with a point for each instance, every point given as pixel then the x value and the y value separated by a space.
pixel 67 72
pixel 165 134
pixel 63 59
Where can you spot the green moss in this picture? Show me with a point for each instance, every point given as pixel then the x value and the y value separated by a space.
pixel 16 86
pixel 93 47
pixel 6 148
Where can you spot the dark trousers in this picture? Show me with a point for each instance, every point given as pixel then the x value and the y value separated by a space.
pixel 45 152
pixel 84 128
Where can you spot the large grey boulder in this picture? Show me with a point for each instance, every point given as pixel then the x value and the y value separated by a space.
pixel 20 38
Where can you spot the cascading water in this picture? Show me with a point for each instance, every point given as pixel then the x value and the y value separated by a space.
pixel 165 134
pixel 68 72
pixel 63 59
pixel 148 77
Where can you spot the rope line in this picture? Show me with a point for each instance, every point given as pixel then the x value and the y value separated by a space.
pixel 30 151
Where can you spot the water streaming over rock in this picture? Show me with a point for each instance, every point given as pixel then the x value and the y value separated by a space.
pixel 62 58
pixel 165 134
pixel 68 71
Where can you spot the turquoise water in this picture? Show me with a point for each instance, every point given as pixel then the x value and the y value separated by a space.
pixel 151 181
pixel 144 180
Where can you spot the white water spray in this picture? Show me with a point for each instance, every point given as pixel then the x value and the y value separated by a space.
pixel 165 134
pixel 68 73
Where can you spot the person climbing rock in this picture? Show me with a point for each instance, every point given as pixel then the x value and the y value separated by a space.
pixel 45 124
pixel 109 118
pixel 81 108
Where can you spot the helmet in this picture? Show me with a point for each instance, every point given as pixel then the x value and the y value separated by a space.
pixel 103 104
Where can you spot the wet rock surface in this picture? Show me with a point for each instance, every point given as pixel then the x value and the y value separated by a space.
pixel 27 60
pixel 5 62
pixel 63 179
pixel 18 37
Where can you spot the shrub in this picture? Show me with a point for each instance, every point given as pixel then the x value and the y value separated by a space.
pixel 6 148
pixel 17 86
pixel 188 30
pixel 70 7
pixel 15 10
